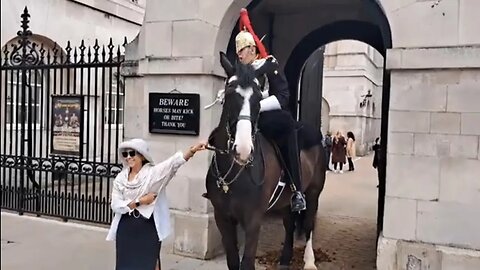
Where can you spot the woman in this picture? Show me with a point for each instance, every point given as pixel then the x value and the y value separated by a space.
pixel 338 152
pixel 139 202
pixel 351 152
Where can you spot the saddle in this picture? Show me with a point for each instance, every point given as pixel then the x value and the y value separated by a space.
pixel 307 137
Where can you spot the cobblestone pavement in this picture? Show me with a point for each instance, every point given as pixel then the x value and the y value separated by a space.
pixel 346 223
pixel 48 244
pixel 348 241
pixel 345 230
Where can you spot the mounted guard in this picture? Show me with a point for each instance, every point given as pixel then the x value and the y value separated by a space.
pixel 276 122
pixel 246 176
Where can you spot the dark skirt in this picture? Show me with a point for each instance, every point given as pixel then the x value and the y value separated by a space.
pixel 137 245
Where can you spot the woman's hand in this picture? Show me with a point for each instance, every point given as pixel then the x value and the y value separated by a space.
pixel 147 198
pixel 193 149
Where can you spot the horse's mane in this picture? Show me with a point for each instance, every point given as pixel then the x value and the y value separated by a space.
pixel 245 75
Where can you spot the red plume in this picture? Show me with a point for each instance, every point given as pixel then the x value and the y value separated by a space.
pixel 245 22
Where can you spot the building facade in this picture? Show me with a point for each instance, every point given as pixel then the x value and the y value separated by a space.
pixel 62 103
pixel 352 91
pixel 67 26
pixel 60 21
pixel 429 190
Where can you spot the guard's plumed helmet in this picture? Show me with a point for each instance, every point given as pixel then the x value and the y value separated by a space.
pixel 244 39
pixel 247 36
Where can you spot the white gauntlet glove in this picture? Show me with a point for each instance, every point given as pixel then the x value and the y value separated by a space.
pixel 269 104
pixel 265 94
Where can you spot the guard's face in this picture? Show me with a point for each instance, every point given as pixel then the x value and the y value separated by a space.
pixel 247 55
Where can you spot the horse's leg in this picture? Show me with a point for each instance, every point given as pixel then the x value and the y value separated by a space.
pixel 252 232
pixel 309 224
pixel 287 252
pixel 309 256
pixel 228 231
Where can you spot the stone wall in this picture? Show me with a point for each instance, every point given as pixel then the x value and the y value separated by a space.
pixel 434 132
pixel 166 56
pixel 195 233
pixel 62 20
pixel 432 193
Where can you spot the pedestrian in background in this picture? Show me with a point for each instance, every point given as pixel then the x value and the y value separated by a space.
pixel 376 157
pixel 351 151
pixel 139 202
pixel 338 152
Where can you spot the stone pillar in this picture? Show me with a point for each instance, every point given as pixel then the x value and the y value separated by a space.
pixel 175 49
pixel 433 165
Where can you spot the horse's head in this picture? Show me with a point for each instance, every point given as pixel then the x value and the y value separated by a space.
pixel 241 107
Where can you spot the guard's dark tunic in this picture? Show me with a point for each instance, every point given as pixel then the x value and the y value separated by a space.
pixel 278 85
pixel 276 124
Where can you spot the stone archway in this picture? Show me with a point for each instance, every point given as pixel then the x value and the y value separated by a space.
pixel 325 116
pixel 293 43
pixel 370 25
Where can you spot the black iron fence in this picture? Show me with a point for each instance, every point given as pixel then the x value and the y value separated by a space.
pixel 61 115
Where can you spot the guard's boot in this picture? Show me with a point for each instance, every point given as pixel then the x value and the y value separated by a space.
pixel 293 163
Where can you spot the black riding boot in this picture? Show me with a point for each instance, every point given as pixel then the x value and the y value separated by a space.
pixel 293 164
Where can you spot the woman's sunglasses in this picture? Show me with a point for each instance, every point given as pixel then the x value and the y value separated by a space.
pixel 130 153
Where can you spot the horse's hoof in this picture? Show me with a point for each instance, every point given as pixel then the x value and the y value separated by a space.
pixel 310 267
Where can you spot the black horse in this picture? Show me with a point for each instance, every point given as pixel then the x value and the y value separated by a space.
pixel 246 168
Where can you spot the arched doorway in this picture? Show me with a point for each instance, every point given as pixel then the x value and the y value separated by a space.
pixel 325 117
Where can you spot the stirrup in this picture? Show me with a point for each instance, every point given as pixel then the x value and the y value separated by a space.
pixel 298 202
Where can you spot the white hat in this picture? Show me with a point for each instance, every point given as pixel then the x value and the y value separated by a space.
pixel 244 39
pixel 138 145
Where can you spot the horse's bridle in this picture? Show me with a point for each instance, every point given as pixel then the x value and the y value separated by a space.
pixel 222 180
pixel 231 139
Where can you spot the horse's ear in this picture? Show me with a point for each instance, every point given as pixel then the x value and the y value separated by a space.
pixel 227 66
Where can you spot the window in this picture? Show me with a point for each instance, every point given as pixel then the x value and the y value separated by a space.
pixel 14 90
pixel 115 102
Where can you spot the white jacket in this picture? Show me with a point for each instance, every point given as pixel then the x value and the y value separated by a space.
pixel 149 179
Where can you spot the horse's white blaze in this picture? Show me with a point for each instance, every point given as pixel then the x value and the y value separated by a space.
pixel 243 137
pixel 309 256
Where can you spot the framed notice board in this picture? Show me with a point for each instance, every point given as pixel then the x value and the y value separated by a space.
pixel 67 125
pixel 174 113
